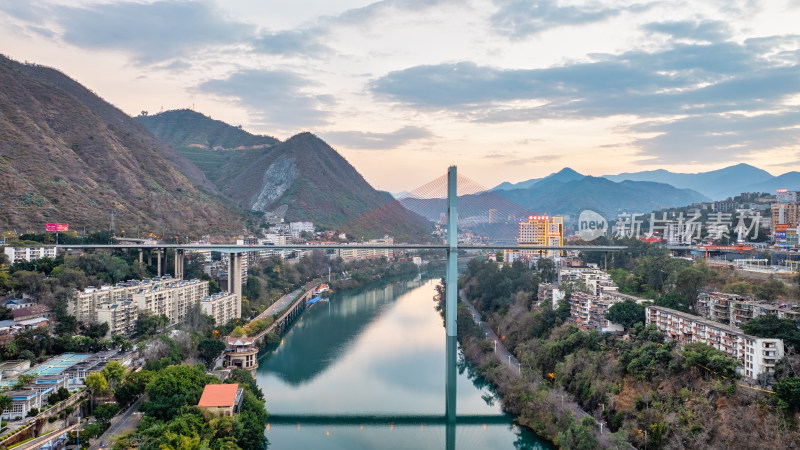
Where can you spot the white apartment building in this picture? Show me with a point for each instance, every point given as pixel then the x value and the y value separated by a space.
pixel 119 305
pixel 297 228
pixel 28 254
pixel 120 316
pixel 757 355
pixel 735 310
pixel 171 299
pixel 349 254
pixel 223 307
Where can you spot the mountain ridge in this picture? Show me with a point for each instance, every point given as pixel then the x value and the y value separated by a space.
pixel 69 156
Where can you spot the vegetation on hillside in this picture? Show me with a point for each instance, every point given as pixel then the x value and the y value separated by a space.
pixel 649 391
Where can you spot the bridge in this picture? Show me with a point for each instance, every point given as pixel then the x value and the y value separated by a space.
pixel 451 246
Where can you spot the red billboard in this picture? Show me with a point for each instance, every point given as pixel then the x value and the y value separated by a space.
pixel 56 227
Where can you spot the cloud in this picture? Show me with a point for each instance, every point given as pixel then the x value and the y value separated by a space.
pixel 378 141
pixel 520 18
pixel 292 42
pixel 152 32
pixel 716 138
pixel 690 95
pixel 707 30
pixel 684 79
pixel 274 97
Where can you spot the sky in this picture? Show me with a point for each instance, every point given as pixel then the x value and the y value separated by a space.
pixel 507 90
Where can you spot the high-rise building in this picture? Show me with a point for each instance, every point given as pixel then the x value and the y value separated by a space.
pixel 492 216
pixel 543 231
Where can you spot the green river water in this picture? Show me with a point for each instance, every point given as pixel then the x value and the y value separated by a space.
pixel 366 370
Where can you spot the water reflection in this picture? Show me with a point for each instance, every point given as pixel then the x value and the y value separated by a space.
pixel 367 372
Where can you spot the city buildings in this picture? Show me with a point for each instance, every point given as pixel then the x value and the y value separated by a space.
pixel 120 305
pixel 757 355
pixel 28 254
pixel 541 230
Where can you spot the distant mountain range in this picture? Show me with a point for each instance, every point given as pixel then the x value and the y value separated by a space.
pixel 716 184
pixel 302 178
pixel 564 193
pixel 66 155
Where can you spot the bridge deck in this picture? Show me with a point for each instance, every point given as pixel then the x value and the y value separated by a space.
pixel 387 419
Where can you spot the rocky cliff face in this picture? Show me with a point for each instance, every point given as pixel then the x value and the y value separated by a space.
pixel 309 180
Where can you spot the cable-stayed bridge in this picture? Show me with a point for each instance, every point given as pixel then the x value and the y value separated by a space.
pixel 439 197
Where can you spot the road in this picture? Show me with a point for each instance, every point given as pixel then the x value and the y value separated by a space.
pixel 505 357
pixel 119 424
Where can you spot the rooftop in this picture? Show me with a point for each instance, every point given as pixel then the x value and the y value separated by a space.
pixel 218 395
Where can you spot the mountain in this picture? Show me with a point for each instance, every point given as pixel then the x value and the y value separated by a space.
pixel 208 143
pixel 716 184
pixel 554 197
pixel 789 180
pixel 563 175
pixel 66 155
pixel 304 178
pixel 601 195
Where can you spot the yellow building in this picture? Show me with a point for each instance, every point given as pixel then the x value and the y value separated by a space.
pixel 542 231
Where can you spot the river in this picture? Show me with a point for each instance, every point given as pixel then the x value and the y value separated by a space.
pixel 366 370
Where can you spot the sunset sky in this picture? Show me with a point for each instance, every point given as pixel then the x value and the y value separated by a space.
pixel 506 89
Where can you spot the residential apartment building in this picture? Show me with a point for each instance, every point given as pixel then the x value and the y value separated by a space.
pixel 171 299
pixel 541 230
pixel 29 253
pixel 120 316
pixel 757 355
pixel 119 305
pixel 735 310
pixel 223 307
pixel 350 254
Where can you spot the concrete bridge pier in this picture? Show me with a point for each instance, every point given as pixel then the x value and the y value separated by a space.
pixel 235 277
pixel 179 255
pixel 158 261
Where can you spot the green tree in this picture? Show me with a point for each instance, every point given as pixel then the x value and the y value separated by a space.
pixel 688 284
pixel 788 391
pixel 713 359
pixel 175 387
pixel 67 326
pixel 770 326
pixel 106 411
pixel 577 437
pixel 96 383
pixel 148 323
pixel 5 403
pixel 113 372
pixel 24 380
pixel 626 313
pixel 209 350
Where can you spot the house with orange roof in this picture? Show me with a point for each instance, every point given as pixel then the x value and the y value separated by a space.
pixel 222 399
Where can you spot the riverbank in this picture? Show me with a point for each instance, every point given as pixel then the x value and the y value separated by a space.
pixel 526 396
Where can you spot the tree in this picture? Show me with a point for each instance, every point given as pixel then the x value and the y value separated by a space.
pixel 106 411
pixel 788 391
pixel 148 324
pixel 24 380
pixel 95 330
pixel 689 282
pixel 175 387
pixel 67 326
pixel 547 269
pixel 5 403
pixel 96 383
pixel 771 289
pixel 626 313
pixel 113 372
pixel 29 355
pixel 770 326
pixel 209 350
pixel 713 359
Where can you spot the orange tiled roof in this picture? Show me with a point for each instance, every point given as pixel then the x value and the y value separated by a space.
pixel 218 395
